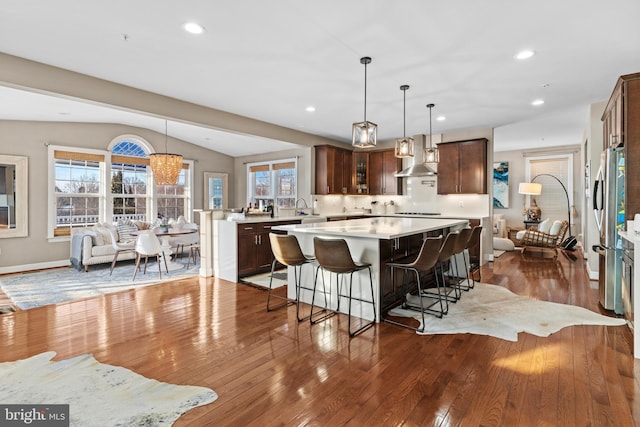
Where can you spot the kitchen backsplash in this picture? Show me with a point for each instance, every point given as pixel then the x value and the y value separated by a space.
pixel 421 196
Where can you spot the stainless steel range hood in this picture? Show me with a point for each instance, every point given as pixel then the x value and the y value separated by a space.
pixel 419 168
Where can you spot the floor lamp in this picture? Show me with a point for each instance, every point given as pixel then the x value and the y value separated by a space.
pixel 535 189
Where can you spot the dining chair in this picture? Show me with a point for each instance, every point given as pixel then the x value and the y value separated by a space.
pixel 120 247
pixel 189 240
pixel 148 244
pixel 287 252
pixel 421 266
pixel 333 255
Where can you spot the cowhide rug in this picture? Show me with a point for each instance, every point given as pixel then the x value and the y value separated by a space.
pixel 495 311
pixel 97 394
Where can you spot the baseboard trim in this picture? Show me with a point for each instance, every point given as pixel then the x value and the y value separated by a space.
pixel 31 267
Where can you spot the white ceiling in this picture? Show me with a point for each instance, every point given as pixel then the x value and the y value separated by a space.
pixel 269 60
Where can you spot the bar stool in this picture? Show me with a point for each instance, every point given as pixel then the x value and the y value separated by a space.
pixel 424 262
pixel 286 251
pixel 444 257
pixel 333 255
pixel 474 260
pixel 460 258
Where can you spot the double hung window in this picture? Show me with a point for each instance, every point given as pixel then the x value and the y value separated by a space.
pixel 273 183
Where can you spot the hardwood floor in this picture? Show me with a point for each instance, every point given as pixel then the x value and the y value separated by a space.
pixel 270 370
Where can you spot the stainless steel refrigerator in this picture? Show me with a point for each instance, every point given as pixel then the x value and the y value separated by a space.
pixel 608 206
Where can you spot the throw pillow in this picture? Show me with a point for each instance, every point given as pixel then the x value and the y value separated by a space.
pixel 555 228
pixel 96 237
pixel 544 226
pixel 125 231
pixel 104 234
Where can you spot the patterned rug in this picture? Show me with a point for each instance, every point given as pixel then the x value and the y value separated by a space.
pixel 97 394
pixel 496 311
pixel 57 285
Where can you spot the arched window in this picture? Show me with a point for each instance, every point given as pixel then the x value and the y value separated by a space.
pixel 129 189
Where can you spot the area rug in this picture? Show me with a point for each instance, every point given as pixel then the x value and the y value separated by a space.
pixel 495 311
pixel 54 286
pixel 497 253
pixel 262 280
pixel 97 394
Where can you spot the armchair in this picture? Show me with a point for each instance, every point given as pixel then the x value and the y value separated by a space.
pixel 534 238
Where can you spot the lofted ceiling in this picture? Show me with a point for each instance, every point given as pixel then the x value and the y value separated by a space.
pixel 269 60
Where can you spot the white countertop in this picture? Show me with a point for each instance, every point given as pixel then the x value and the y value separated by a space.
pixel 384 228
pixel 266 218
pixel 630 236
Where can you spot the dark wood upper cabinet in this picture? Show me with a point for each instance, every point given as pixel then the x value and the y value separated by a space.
pixel 621 127
pixel 342 171
pixel 463 167
pixel 383 165
pixel 333 170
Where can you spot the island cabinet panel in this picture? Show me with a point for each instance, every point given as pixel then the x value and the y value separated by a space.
pixel 333 170
pixel 383 165
pixel 254 247
pixel 463 167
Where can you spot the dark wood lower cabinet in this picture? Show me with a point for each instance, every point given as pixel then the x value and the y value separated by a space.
pixel 254 247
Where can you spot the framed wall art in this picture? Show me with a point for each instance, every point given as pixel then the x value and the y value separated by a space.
pixel 501 185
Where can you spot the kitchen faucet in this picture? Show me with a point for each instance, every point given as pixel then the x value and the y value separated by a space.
pixel 304 201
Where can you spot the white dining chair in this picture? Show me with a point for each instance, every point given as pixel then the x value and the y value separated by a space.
pixel 120 247
pixel 148 245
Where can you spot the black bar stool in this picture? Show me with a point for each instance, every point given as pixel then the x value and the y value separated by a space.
pixel 424 262
pixel 474 260
pixel 287 252
pixel 444 258
pixel 333 255
pixel 460 260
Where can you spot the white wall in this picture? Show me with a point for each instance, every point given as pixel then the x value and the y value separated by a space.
pixel 594 145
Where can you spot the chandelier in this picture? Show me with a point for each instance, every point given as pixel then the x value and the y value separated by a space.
pixel 166 167
pixel 404 145
pixel 364 133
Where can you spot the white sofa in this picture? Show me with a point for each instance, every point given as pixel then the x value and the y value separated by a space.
pixel 94 246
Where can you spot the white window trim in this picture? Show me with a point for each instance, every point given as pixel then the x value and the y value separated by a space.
pixel 51 193
pixel 105 196
pixel 250 194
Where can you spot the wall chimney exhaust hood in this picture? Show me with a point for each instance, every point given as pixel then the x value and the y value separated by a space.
pixel 419 168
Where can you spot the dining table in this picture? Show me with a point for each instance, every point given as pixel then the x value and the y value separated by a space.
pixel 165 235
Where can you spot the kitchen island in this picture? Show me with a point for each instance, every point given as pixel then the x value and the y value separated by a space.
pixel 374 240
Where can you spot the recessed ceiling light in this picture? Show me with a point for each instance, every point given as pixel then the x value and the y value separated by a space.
pixel 193 28
pixel 537 102
pixel 524 54
pixel 441 118
pixel 310 108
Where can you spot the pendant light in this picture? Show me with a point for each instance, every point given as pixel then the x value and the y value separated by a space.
pixel 166 167
pixel 431 154
pixel 404 145
pixel 364 134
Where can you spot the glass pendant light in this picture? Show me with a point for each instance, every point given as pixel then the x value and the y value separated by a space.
pixel 166 167
pixel 364 134
pixel 404 145
pixel 431 154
